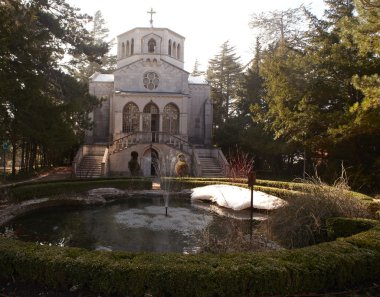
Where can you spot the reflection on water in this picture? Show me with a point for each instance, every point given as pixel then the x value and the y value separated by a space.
pixel 138 224
pixel 183 220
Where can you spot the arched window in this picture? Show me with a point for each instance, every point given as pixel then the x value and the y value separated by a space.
pixel 174 49
pixel 131 118
pixel 132 46
pixel 151 45
pixel 170 47
pixel 151 108
pixel 178 51
pixel 171 119
pixel 127 49
pixel 122 50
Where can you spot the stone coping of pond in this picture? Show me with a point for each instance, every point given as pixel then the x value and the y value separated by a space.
pixel 96 196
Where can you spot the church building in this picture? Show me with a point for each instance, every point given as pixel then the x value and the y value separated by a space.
pixel 153 107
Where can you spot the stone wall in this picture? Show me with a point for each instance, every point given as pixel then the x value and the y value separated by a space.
pixel 167 155
pixel 101 115
pixel 200 114
pixel 171 79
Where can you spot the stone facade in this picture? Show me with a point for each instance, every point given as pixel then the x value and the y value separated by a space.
pixel 150 105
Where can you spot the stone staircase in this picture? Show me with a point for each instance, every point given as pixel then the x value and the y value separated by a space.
pixel 90 167
pixel 211 167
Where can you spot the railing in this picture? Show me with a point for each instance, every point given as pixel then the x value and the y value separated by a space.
pixel 104 168
pixel 223 162
pixel 77 160
pixel 134 138
pixel 197 166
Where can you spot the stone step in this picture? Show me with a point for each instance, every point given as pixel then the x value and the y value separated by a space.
pixel 90 166
pixel 210 167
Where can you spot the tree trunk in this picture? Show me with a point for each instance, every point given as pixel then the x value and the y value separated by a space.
pixel 14 153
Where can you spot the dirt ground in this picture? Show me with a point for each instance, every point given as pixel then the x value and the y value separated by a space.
pixel 56 173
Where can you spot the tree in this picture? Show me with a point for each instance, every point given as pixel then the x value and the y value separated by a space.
pixel 83 68
pixel 362 32
pixel 311 96
pixel 224 73
pixel 252 89
pixel 35 105
pixel 281 26
pixel 196 71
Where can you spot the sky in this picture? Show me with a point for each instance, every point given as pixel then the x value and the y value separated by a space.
pixel 206 24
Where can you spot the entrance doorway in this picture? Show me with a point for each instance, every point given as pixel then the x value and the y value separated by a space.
pixel 155 126
pixel 155 165
pixel 151 163
pixel 151 122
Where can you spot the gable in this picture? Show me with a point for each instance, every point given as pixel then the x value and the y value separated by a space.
pixel 136 76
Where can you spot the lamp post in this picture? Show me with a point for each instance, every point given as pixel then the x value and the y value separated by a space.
pixel 251 183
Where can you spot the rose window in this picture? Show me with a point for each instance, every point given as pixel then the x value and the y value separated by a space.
pixel 151 80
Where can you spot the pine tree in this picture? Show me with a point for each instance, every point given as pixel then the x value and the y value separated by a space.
pixel 224 73
pixel 41 116
pixel 311 97
pixel 252 88
pixel 196 71
pixel 107 63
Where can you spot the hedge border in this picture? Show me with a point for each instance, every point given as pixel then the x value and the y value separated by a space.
pixel 283 192
pixel 31 191
pixel 329 266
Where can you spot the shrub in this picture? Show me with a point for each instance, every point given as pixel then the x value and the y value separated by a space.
pixel 328 266
pixel 240 164
pixel 38 190
pixel 344 227
pixel 302 221
pixel 235 241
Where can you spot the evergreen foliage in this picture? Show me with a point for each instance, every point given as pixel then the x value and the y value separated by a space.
pixel 43 109
pixel 84 68
pixel 320 88
pixel 196 71
pixel 224 73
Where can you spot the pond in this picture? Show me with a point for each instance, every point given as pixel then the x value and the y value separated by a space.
pixel 135 224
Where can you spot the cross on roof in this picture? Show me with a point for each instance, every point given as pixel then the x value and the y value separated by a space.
pixel 151 16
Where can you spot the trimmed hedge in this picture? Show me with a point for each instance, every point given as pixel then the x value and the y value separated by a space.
pixel 328 266
pixel 343 227
pixel 276 188
pixel 37 190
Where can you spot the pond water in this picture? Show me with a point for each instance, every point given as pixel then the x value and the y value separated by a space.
pixel 136 224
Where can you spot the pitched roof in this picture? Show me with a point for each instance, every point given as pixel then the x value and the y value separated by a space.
pixel 100 77
pixel 198 80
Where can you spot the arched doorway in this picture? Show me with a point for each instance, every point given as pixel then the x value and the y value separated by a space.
pixel 151 120
pixel 151 162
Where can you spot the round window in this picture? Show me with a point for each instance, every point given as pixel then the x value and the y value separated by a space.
pixel 151 80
